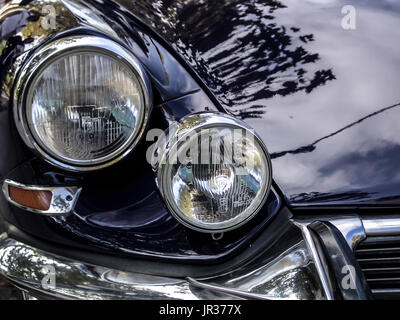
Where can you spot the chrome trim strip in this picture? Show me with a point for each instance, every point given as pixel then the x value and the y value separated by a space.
pixel 281 278
pixel 317 261
pixel 63 199
pixel 387 291
pixel 379 226
pixel 233 292
pixel 352 229
pixel 350 226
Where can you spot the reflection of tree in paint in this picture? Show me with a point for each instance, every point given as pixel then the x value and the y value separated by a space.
pixel 240 50
pixel 22 30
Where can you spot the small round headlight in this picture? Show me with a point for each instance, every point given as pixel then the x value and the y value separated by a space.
pixel 214 172
pixel 84 102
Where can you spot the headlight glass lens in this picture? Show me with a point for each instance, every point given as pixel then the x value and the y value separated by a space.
pixel 215 189
pixel 85 107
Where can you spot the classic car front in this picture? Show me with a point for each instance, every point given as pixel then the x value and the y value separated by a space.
pixel 114 115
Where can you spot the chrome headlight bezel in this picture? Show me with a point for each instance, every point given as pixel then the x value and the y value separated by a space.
pixel 51 52
pixel 179 133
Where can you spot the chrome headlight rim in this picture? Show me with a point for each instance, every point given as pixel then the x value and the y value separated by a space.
pixel 38 63
pixel 210 120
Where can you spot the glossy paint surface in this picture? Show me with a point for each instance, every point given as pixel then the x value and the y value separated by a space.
pixel 119 210
pixel 126 216
pixel 326 100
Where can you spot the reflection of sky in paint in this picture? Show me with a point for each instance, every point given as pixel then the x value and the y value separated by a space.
pixel 366 63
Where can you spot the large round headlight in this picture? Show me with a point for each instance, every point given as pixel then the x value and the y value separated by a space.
pixel 83 102
pixel 213 172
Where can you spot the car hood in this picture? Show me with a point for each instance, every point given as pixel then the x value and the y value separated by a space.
pixel 324 98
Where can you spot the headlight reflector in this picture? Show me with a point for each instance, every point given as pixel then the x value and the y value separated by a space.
pixel 214 173
pixel 85 104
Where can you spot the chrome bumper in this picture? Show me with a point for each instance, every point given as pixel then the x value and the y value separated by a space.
pixel 291 275
pixel 297 272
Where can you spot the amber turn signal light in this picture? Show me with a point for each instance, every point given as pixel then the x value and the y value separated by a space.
pixel 46 200
pixel 34 199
